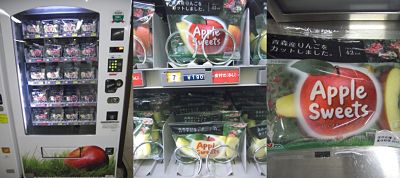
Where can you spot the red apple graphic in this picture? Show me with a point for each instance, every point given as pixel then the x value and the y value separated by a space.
pixel 87 157
pixel 336 102
pixel 202 27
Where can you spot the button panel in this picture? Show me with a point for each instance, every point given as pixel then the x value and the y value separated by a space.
pixel 114 65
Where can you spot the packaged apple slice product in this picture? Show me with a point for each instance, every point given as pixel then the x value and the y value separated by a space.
pixel 52 50
pixel 71 113
pixel 70 26
pixel 71 94
pixel 40 114
pixel 144 138
pixel 56 94
pixel 39 95
pixel 87 113
pixel 87 70
pixel 89 49
pixel 89 27
pixel 72 50
pixel 57 114
pixel 71 70
pixel 51 27
pixel 258 142
pixel 142 31
pixel 204 137
pixel 87 94
pixel 37 71
pixel 258 34
pixel 316 104
pixel 32 28
pixel 34 51
pixel 204 31
pixel 53 71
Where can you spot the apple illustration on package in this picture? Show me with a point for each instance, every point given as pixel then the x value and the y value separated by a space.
pixel 203 28
pixel 335 102
pixel 88 157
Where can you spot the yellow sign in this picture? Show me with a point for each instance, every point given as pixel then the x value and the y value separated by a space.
pixel 3 119
pixel 173 77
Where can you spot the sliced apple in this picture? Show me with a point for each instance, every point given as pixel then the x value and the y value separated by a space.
pixel 391 94
pixel 232 142
pixel 263 41
pixel 285 106
pixel 183 28
pixel 144 150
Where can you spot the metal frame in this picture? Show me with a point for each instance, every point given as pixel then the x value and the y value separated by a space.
pixel 280 16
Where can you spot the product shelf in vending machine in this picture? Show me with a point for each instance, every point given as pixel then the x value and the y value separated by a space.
pixel 176 90
pixel 69 86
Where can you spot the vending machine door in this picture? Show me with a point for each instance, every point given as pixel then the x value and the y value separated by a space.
pixel 62 72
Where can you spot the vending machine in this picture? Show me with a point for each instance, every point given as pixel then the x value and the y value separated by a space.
pixel 65 64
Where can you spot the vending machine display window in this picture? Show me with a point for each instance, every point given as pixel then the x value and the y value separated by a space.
pixel 56 51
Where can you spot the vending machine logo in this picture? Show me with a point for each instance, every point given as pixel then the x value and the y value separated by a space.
pixel 118 17
pixel 335 102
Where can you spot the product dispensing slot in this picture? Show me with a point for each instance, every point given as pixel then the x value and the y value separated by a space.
pixel 1 100
pixel 60 152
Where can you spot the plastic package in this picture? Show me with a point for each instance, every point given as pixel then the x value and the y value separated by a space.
pixel 39 95
pixel 71 71
pixel 52 50
pixel 51 27
pixel 40 114
pixel 71 94
pixel 89 49
pixel 57 114
pixel 56 94
pixel 32 28
pixel 258 141
pixel 89 26
pixel 329 92
pixel 142 31
pixel 205 136
pixel 34 51
pixel 204 32
pixel 142 133
pixel 53 71
pixel 87 94
pixel 37 71
pixel 72 50
pixel 70 26
pixel 87 71
pixel 258 37
pixel 71 113
pixel 87 113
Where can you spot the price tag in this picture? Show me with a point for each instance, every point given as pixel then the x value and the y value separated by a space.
pixel 228 76
pixel 58 82
pixel 74 34
pixel 174 77
pixel 137 79
pixel 193 77
pixel 37 36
